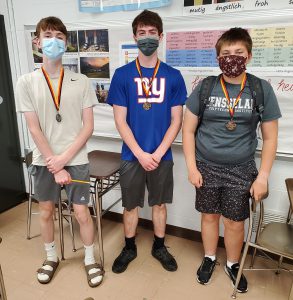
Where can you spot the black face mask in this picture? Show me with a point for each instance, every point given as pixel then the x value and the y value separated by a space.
pixel 148 44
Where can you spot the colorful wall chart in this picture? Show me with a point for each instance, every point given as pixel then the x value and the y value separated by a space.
pixel 272 49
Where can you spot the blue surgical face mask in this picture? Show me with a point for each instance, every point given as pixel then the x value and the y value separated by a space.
pixel 148 44
pixel 53 48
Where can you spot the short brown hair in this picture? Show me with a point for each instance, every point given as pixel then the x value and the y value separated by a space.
pixel 147 18
pixel 51 23
pixel 234 35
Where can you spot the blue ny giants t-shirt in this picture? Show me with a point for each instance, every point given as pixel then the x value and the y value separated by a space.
pixel 148 126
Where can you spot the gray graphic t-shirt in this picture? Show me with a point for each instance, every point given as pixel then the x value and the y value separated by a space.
pixel 216 144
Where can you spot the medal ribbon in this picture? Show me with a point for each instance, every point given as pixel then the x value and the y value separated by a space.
pixel 56 98
pixel 225 91
pixel 145 89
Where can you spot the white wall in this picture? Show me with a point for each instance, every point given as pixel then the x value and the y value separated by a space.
pixel 19 13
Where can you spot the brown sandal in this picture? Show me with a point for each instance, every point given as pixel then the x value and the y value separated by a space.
pixel 101 272
pixel 52 264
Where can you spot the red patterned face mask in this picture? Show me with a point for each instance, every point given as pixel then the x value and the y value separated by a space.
pixel 232 65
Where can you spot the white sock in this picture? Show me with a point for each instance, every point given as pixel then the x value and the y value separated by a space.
pixel 212 257
pixel 230 264
pixel 89 259
pixel 50 249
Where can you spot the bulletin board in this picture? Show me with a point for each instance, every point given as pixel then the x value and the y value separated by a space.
pixel 273 37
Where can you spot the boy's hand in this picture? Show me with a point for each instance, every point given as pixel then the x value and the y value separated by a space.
pixel 147 162
pixel 55 163
pixel 157 157
pixel 62 177
pixel 195 178
pixel 259 189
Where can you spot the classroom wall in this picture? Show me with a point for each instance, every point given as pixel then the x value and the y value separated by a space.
pixel 20 15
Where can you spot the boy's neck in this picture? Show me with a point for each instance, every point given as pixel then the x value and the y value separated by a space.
pixel 148 61
pixel 52 67
pixel 234 80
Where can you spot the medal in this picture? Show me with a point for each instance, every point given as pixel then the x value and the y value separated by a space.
pixel 56 98
pixel 58 118
pixel 231 125
pixel 147 105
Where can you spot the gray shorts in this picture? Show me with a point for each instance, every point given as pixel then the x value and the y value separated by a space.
pixel 134 179
pixel 46 189
pixel 225 189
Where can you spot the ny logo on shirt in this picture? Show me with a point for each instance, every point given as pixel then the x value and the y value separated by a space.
pixel 157 92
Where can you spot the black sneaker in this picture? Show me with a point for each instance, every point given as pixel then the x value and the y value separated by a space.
pixel 125 257
pixel 232 273
pixel 165 258
pixel 205 271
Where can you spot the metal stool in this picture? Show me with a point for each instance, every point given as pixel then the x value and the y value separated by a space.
pixel 2 286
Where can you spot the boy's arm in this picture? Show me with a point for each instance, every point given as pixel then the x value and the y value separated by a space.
pixel 32 120
pixel 57 162
pixel 269 131
pixel 144 158
pixel 171 133
pixel 189 127
pixel 40 140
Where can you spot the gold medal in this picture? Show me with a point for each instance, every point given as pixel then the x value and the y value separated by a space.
pixel 231 125
pixel 146 106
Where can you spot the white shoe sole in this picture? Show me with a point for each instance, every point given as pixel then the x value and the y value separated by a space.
pixel 203 283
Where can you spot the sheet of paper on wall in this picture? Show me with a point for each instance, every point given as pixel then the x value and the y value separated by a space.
pixel 206 7
pixel 283 87
pixel 102 6
pixel 128 52
pixel 94 53
pixel 70 59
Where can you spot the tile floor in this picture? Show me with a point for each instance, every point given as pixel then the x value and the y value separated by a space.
pixel 145 279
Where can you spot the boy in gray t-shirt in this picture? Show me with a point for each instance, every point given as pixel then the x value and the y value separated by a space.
pixel 220 152
pixel 58 108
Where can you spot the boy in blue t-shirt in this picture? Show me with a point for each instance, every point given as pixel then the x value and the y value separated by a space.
pixel 147 97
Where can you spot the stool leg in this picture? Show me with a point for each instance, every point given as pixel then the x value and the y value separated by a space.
pixel 100 197
pixel 99 226
pixel 2 287
pixel 252 258
pixel 279 265
pixel 29 210
pixel 61 227
pixel 94 204
pixel 55 215
pixel 72 232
